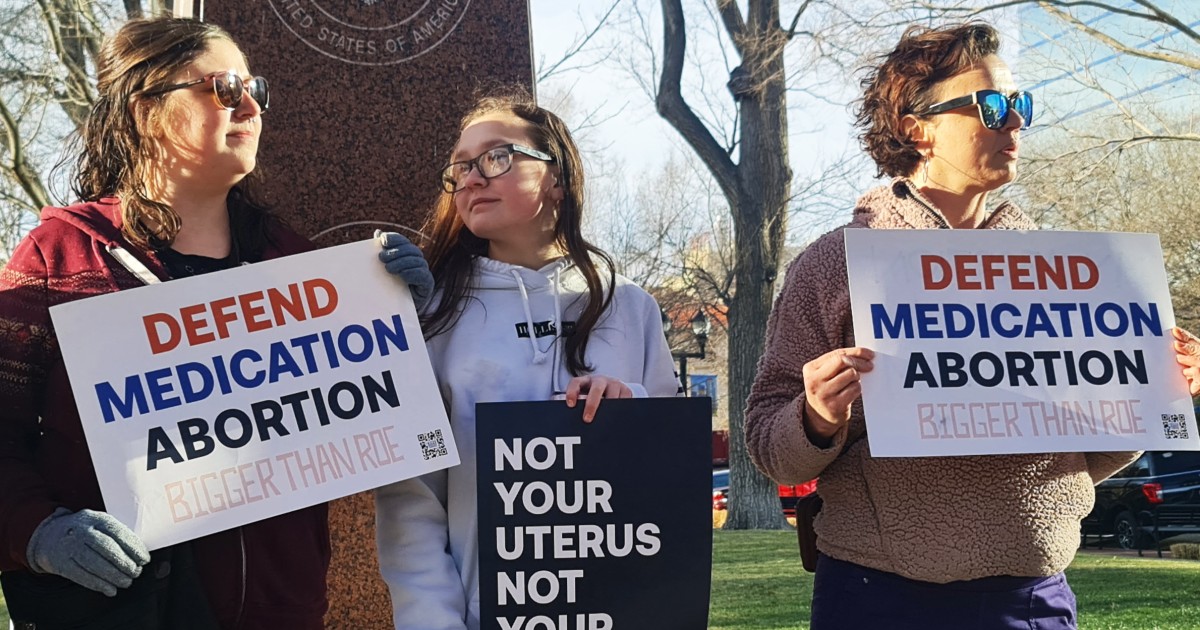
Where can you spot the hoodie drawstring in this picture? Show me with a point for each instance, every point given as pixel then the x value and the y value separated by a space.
pixel 558 327
pixel 538 357
pixel 555 349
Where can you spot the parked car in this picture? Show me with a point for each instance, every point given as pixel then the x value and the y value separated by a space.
pixel 1161 488
pixel 720 448
pixel 720 488
pixel 788 495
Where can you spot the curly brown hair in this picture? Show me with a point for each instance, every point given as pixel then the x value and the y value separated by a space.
pixel 902 82
pixel 118 153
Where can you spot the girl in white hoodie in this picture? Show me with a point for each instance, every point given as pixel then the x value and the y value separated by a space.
pixel 524 309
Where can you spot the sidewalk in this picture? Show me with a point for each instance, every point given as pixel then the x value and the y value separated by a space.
pixel 1117 552
pixel 1109 548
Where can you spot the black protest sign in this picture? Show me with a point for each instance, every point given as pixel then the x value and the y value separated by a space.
pixel 600 526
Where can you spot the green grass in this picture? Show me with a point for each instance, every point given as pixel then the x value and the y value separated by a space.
pixel 758 584
pixel 1116 593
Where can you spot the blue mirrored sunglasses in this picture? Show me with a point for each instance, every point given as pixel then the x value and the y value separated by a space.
pixel 993 107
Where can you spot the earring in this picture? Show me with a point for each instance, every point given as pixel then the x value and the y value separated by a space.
pixel 925 169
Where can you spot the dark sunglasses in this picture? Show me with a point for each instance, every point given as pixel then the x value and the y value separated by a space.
pixel 228 88
pixel 490 164
pixel 993 107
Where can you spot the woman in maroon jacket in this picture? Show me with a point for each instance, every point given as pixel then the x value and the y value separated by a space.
pixel 166 152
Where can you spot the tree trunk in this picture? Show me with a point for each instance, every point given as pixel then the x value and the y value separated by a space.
pixel 753 498
pixel 757 188
pixel 759 224
pixel 18 167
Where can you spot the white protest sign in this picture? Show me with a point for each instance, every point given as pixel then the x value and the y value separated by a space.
pixel 219 400
pixel 992 342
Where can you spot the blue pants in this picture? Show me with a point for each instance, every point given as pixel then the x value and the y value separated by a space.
pixel 847 596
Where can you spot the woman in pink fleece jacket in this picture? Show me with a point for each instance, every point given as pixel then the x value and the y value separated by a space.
pixel 920 542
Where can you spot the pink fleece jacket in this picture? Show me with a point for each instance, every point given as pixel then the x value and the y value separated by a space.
pixel 936 519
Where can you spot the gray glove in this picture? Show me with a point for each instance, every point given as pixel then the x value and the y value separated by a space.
pixel 92 549
pixel 400 257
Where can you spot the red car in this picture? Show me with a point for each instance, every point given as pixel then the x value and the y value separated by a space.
pixel 788 495
pixel 720 488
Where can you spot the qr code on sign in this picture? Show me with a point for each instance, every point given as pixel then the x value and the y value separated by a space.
pixel 432 444
pixel 1174 426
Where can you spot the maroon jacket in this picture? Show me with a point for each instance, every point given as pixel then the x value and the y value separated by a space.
pixel 269 574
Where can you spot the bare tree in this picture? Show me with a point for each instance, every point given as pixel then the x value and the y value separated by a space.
pixel 739 132
pixel 1146 187
pixel 1114 51
pixel 48 50
pixel 1116 136
pixel 585 52
pixel 1155 13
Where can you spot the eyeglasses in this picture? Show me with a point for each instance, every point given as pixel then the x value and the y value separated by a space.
pixel 993 107
pixel 228 88
pixel 491 164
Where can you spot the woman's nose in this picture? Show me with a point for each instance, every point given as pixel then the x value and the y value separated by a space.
pixel 248 108
pixel 1014 120
pixel 474 177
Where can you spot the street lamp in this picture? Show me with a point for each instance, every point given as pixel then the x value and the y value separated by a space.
pixel 700 327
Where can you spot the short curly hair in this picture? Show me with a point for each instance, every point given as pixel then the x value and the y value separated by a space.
pixel 901 84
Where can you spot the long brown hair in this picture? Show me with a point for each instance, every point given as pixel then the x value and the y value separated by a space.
pixel 452 247
pixel 117 152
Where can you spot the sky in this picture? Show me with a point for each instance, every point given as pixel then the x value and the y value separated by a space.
pixel 632 130
pixel 1143 88
pixel 820 128
pixel 639 134
pixel 1044 55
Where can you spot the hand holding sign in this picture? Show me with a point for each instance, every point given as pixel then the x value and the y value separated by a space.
pixel 593 388
pixel 265 389
pixel 831 385
pixel 402 258
pixel 90 548
pixel 1047 342
pixel 573 537
pixel 1187 354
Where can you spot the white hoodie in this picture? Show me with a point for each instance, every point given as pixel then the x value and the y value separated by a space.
pixel 500 350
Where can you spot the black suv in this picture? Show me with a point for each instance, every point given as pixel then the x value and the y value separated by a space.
pixel 1154 497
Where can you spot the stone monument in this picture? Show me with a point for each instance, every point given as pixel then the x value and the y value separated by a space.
pixel 365 101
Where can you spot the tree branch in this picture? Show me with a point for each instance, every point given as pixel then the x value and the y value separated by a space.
pixel 731 17
pixel 94 35
pixel 672 106
pixel 1169 19
pixel 73 58
pixel 791 31
pixel 1186 61
pixel 971 11
pixel 578 47
pixel 22 171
